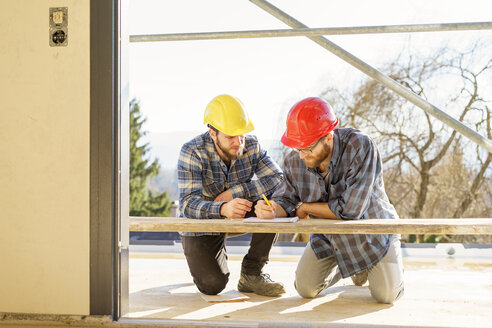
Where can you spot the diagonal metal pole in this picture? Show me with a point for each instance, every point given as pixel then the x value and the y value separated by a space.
pixel 380 77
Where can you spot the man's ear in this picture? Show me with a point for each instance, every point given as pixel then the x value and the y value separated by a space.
pixel 212 133
pixel 328 138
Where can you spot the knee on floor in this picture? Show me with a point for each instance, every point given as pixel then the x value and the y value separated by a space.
pixel 212 285
pixel 305 290
pixel 387 296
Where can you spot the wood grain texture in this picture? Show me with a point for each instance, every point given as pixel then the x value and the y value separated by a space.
pixel 471 226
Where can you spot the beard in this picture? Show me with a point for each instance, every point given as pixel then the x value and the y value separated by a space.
pixel 315 160
pixel 230 153
pixel 312 162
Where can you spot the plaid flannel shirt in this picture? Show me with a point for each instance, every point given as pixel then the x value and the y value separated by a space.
pixel 202 176
pixel 354 190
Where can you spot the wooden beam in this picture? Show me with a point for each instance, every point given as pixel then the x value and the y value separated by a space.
pixel 377 226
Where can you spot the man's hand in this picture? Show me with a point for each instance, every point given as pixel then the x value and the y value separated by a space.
pixel 226 196
pixel 235 208
pixel 301 211
pixel 263 211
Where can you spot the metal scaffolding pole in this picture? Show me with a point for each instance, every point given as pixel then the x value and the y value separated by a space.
pixel 380 77
pixel 313 32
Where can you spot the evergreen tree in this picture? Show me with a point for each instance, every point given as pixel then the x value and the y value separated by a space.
pixel 143 202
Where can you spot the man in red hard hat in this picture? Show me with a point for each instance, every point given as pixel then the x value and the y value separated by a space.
pixel 336 174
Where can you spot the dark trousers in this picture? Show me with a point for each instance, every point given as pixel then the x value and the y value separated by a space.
pixel 207 259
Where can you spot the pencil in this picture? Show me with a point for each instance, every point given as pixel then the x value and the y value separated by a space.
pixel 266 200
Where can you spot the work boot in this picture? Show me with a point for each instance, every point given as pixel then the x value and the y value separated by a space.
pixel 260 284
pixel 360 278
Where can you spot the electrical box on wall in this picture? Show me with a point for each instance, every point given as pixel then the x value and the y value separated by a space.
pixel 59 26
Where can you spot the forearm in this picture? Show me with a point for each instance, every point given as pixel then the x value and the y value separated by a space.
pixel 319 209
pixel 280 212
pixel 196 208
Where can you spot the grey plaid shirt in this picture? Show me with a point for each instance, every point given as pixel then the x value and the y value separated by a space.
pixel 202 176
pixel 353 189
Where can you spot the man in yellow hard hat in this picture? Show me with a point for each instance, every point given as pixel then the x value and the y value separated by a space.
pixel 215 180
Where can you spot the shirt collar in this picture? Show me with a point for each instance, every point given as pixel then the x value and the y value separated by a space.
pixel 210 147
pixel 336 149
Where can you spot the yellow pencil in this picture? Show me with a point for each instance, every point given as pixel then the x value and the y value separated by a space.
pixel 266 200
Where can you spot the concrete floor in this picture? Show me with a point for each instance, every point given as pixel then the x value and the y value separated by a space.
pixel 440 291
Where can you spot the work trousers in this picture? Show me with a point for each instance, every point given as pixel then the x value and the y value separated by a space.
pixel 207 259
pixel 385 278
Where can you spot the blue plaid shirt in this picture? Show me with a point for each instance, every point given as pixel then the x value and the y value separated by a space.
pixel 202 176
pixel 353 189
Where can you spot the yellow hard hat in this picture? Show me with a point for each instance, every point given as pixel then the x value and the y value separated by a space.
pixel 226 114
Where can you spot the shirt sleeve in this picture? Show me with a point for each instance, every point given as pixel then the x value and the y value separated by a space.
pixel 191 203
pixel 364 167
pixel 269 177
pixel 286 194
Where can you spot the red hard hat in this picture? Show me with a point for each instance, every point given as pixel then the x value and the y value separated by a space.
pixel 307 121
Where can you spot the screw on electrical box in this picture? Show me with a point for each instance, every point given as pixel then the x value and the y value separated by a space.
pixel 58 26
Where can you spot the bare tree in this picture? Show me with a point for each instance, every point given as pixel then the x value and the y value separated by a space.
pixel 416 147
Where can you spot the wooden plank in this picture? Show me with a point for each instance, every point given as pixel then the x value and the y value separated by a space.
pixel 472 226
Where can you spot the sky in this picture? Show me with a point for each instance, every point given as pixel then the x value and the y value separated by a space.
pixel 174 81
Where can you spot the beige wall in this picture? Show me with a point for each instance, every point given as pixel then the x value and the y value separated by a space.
pixel 44 160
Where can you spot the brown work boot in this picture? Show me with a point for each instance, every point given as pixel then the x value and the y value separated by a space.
pixel 260 284
pixel 360 278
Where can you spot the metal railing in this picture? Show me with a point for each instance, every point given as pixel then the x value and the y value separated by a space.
pixel 312 32
pixel 315 34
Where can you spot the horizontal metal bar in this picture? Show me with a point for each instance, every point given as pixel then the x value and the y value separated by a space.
pixel 380 77
pixel 376 226
pixel 313 31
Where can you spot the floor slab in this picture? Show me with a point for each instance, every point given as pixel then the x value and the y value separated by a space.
pixel 438 293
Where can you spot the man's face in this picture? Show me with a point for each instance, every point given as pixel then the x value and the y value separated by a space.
pixel 314 154
pixel 228 146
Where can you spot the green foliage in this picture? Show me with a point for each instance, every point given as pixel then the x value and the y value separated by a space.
pixel 143 202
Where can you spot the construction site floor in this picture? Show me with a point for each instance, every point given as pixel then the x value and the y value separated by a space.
pixel 440 291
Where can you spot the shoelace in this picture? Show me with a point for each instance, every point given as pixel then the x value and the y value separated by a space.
pixel 266 277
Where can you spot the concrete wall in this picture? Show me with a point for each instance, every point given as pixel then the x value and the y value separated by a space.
pixel 44 160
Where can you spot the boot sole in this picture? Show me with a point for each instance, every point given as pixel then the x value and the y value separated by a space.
pixel 247 290
pixel 244 290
